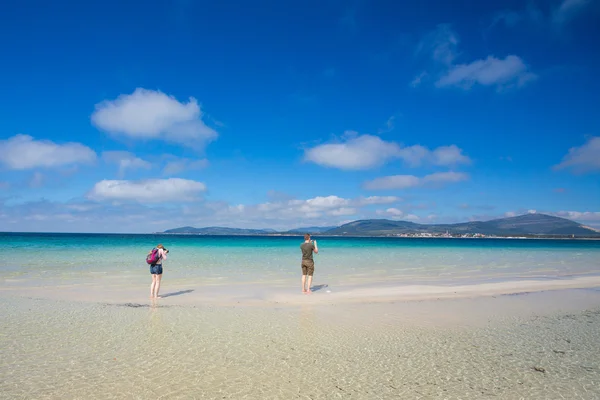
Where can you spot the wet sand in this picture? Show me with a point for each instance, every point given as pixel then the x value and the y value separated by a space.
pixel 269 294
pixel 468 341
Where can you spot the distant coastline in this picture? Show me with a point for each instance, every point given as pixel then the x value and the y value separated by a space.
pixel 528 226
pixel 385 236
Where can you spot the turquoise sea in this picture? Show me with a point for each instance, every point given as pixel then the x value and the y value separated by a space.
pixel 275 260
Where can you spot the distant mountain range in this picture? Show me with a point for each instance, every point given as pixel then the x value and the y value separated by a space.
pixel 528 224
pixel 312 229
pixel 217 230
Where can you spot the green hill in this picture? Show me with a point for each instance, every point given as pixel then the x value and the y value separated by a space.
pixel 216 230
pixel 528 224
pixel 312 229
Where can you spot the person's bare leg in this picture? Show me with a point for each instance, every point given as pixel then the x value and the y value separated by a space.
pixel 158 278
pixel 153 285
pixel 309 284
pixel 303 283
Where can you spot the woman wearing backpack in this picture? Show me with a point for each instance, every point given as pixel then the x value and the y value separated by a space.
pixel 155 259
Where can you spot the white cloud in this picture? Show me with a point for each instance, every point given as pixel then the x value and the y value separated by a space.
pixel 445 177
pixel 418 79
pixel 37 180
pixel 179 165
pixel 441 45
pixel 392 211
pixel 343 211
pixel 359 152
pixel 81 206
pixel 586 218
pixel 111 216
pixel 584 158
pixel 501 73
pixel 395 213
pixel 371 200
pixel 275 195
pixel 320 210
pixel 125 160
pixel 389 125
pixel 46 216
pixel 147 191
pixel 22 152
pixel 449 155
pixel 318 206
pixel 325 202
pixel 395 182
pixel 368 151
pixel 567 10
pixel 147 114
pixel 418 155
pixel 414 155
pixel 583 216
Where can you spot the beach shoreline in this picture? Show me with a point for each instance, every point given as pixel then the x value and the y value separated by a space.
pixel 185 293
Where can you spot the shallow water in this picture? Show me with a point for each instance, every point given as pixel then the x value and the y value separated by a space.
pixel 275 261
pixel 57 350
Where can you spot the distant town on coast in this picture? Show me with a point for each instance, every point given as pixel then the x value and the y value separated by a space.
pixel 533 225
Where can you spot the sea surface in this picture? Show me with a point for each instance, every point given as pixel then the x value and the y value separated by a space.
pixel 275 261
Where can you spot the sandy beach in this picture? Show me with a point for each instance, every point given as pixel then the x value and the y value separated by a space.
pixel 533 339
pixel 193 292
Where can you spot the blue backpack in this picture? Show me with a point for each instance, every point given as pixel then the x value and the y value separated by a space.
pixel 153 257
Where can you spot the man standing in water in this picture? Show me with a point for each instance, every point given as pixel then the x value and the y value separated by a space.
pixel 308 264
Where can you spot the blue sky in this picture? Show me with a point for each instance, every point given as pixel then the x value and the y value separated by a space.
pixel 139 117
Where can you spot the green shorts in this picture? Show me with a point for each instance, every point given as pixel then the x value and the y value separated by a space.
pixel 308 267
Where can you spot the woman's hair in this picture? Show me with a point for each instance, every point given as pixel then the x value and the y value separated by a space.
pixel 160 246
